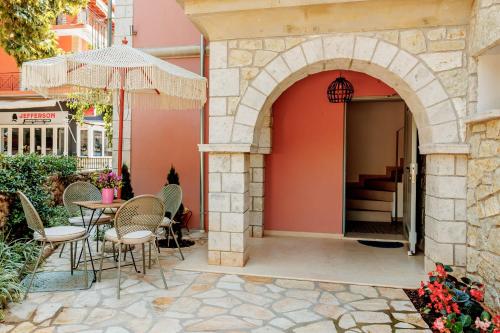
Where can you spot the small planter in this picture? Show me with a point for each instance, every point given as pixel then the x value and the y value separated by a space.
pixel 108 194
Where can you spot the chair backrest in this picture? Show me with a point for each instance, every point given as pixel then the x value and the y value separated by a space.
pixel 34 221
pixel 144 212
pixel 79 191
pixel 171 195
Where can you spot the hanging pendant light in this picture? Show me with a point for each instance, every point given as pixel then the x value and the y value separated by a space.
pixel 340 91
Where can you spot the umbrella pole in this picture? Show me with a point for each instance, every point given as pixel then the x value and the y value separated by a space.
pixel 120 134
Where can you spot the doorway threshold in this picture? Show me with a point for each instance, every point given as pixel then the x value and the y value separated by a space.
pixel 375 237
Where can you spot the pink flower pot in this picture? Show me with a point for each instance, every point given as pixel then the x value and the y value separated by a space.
pixel 108 194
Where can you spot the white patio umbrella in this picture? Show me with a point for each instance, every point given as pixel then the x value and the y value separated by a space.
pixel 120 69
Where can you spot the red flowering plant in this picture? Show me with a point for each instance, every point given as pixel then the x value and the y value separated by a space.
pixel 107 179
pixel 454 303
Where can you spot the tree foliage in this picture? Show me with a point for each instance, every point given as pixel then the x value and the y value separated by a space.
pixel 25 26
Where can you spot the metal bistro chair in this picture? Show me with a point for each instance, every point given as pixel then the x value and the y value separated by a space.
pixel 136 223
pixel 171 195
pixel 52 235
pixel 83 191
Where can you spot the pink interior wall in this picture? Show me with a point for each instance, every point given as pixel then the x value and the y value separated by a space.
pixel 161 138
pixel 303 181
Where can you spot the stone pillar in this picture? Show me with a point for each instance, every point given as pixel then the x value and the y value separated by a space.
pixel 257 195
pixel 445 211
pixel 228 205
pixel 483 208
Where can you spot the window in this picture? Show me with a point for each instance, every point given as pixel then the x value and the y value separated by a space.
pixel 98 148
pixel 15 141
pixel 38 140
pixel 49 141
pixel 4 140
pixel 60 141
pixel 26 140
pixel 84 143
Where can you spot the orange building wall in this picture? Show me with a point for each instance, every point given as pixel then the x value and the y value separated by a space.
pixel 161 138
pixel 7 63
pixel 303 180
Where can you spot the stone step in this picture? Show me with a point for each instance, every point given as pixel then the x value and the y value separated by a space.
pixel 359 193
pixel 382 185
pixel 368 216
pixel 375 205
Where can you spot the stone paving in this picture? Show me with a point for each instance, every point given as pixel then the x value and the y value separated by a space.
pixel 209 302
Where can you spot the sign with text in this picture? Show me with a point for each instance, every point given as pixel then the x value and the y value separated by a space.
pixel 34 118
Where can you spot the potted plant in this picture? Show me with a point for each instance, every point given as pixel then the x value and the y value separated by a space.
pixel 107 181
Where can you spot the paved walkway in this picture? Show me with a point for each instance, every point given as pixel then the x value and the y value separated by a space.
pixel 208 302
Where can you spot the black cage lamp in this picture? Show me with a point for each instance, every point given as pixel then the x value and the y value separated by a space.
pixel 340 91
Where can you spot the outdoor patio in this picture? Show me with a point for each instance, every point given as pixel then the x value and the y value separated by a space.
pixel 211 302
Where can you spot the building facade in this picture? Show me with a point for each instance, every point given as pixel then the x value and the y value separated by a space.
pixel 441 59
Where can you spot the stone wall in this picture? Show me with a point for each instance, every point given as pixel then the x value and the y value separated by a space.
pixel 483 207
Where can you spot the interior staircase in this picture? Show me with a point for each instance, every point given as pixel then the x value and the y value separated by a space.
pixel 371 198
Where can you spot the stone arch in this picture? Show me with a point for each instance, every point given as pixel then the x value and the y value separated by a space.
pixel 433 110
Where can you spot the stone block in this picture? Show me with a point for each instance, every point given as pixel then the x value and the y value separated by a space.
pixel 240 202
pixel 214 257
pixel 295 58
pixel 237 242
pixel 432 93
pixel 446 186
pixel 446 45
pixel 456 33
pixel 219 162
pixel 217 106
pixel 445 232
pixel 248 73
pixel 246 115
pixel 218 54
pixel 418 77
pixel 257 231
pixel 391 36
pixel 256 218
pixel 293 41
pixel 440 165
pixel 214 219
pixel 256 189
pixel 364 48
pixel 403 63
pixel 253 98
pixel 460 210
pixel 232 222
pixel 224 82
pixel 384 53
pixel 313 50
pixel 235 259
pixel 250 44
pixel 214 182
pixel 220 129
pixel 440 209
pixel 258 204
pixel 460 255
pixel 263 57
pixel 256 160
pixel 438 252
pixel 274 44
pixel 338 47
pixel 242 133
pixel 219 241
pixel 412 41
pixel 234 182
pixel 264 83
pixel 239 162
pixel 258 175
pixel 455 81
pixel 265 137
pixel 442 61
pixel 441 113
pixel 240 58
pixel 278 69
pixel 436 34
pixel 219 202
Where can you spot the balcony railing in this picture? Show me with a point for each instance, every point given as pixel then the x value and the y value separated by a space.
pixel 10 81
pixel 94 163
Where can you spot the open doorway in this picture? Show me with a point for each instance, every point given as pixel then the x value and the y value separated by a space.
pixel 380 154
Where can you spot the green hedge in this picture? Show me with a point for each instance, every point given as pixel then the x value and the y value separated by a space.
pixel 30 174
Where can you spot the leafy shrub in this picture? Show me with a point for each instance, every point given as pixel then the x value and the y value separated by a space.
pixel 30 174
pixel 13 257
pixel 456 304
pixel 127 191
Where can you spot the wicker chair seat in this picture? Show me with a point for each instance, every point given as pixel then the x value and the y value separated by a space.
pixel 134 237
pixel 60 233
pixel 166 222
pixel 103 219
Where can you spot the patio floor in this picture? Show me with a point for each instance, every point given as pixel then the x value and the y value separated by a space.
pixel 319 259
pixel 212 302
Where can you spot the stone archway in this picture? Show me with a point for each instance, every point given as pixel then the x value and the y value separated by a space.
pixel 433 110
pixel 239 125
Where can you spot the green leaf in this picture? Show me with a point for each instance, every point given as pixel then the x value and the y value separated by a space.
pixel 466 320
pixel 457 327
pixel 448 268
pixel 485 316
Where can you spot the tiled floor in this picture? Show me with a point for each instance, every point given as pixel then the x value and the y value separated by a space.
pixel 211 302
pixel 329 260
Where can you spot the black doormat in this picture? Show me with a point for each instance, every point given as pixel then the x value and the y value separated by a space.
pixel 183 243
pixel 384 245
